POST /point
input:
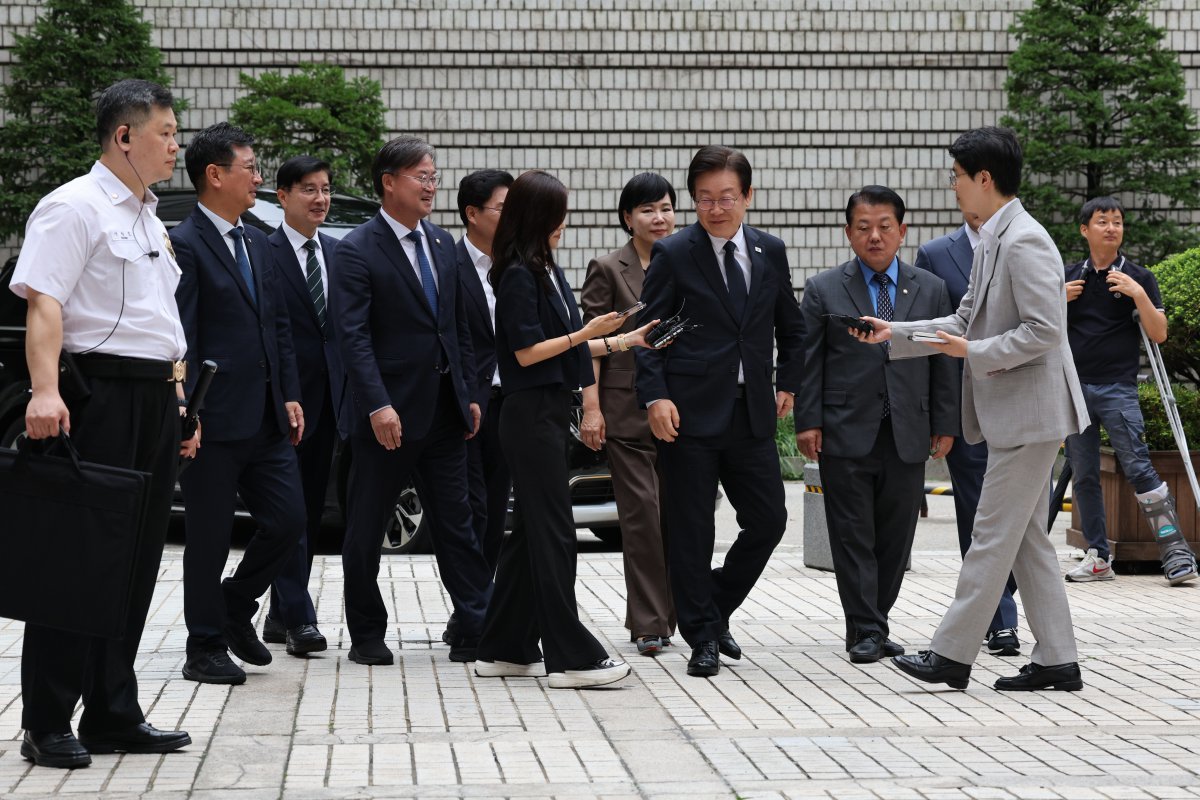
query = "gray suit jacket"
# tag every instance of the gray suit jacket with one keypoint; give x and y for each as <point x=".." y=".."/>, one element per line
<point x="1019" y="383"/>
<point x="845" y="383"/>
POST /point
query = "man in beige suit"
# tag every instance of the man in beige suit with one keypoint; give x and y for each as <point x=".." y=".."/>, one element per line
<point x="1022" y="396"/>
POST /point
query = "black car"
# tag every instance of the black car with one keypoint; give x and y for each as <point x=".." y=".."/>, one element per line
<point x="592" y="498"/>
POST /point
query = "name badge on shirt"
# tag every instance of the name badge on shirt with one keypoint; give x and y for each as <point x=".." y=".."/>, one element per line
<point x="121" y="236"/>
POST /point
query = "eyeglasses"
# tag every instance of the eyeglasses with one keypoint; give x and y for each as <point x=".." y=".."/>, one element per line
<point x="954" y="176"/>
<point x="708" y="204"/>
<point x="253" y="168"/>
<point x="497" y="209"/>
<point x="312" y="191"/>
<point x="429" y="181"/>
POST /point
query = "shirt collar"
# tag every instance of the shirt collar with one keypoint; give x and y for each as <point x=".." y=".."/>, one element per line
<point x="972" y="236"/>
<point x="739" y="240"/>
<point x="117" y="192"/>
<point x="993" y="222"/>
<point x="223" y="226"/>
<point x="474" y="253"/>
<point x="399" y="228"/>
<point x="296" y="238"/>
<point x="893" y="270"/>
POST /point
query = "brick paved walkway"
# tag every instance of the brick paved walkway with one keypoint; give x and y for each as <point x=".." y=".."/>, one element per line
<point x="793" y="719"/>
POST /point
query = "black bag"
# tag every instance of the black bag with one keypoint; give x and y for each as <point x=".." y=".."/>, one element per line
<point x="68" y="539"/>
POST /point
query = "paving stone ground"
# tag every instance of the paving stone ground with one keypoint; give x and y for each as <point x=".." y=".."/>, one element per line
<point x="793" y="719"/>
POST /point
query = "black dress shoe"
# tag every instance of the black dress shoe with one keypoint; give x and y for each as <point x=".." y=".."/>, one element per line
<point x="464" y="649"/>
<point x="273" y="631"/>
<point x="60" y="750"/>
<point x="728" y="647"/>
<point x="143" y="738"/>
<point x="244" y="643"/>
<point x="1061" y="677"/>
<point x="213" y="666"/>
<point x="451" y="632"/>
<point x="372" y="653"/>
<point x="928" y="666"/>
<point x="305" y="639"/>
<point x="891" y="649"/>
<point x="705" y="661"/>
<point x="868" y="649"/>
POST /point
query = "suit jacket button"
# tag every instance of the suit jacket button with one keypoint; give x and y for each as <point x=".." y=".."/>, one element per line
<point x="262" y="364"/>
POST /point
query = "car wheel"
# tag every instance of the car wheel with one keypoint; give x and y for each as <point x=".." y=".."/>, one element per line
<point x="610" y="535"/>
<point x="407" y="530"/>
<point x="14" y="429"/>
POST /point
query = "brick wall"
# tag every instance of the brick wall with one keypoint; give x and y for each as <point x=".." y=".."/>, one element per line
<point x="823" y="96"/>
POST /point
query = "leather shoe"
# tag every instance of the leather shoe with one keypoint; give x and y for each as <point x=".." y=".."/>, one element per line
<point x="868" y="649"/>
<point x="60" y="750"/>
<point x="891" y="649"/>
<point x="1061" y="677"/>
<point x="243" y="642"/>
<point x="451" y="632"/>
<point x="273" y="631"/>
<point x="928" y="666"/>
<point x="305" y="639"/>
<point x="728" y="647"/>
<point x="213" y="666"/>
<point x="464" y="649"/>
<point x="141" y="738"/>
<point x="705" y="661"/>
<point x="372" y="653"/>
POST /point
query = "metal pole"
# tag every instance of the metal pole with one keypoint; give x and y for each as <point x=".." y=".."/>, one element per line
<point x="1158" y="367"/>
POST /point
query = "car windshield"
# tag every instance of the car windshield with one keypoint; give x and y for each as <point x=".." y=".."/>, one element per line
<point x="345" y="212"/>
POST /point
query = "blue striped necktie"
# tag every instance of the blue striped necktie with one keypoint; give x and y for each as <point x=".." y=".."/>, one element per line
<point x="427" y="284"/>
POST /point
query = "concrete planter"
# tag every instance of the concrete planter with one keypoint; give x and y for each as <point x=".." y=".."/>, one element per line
<point x="1129" y="538"/>
<point x="817" y="554"/>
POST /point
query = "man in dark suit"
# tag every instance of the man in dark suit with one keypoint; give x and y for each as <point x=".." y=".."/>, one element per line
<point x="480" y="201"/>
<point x="949" y="257"/>
<point x="303" y="259"/>
<point x="402" y="331"/>
<point x="710" y="400"/>
<point x="870" y="421"/>
<point x="233" y="311"/>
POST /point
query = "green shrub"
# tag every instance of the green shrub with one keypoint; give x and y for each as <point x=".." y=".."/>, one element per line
<point x="785" y="444"/>
<point x="1158" y="431"/>
<point x="1179" y="281"/>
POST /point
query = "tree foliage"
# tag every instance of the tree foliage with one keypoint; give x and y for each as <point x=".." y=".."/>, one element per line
<point x="314" y="111"/>
<point x="77" y="48"/>
<point x="1179" y="283"/>
<point x="1100" y="108"/>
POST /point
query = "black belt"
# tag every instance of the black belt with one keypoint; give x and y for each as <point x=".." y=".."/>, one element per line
<point x="136" y="369"/>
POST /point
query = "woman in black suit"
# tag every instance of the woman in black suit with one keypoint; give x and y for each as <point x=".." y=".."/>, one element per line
<point x="544" y="353"/>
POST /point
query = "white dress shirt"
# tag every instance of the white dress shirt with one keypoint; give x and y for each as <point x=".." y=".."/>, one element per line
<point x="223" y="227"/>
<point x="88" y="245"/>
<point x="482" y="263"/>
<point x="410" y="247"/>
<point x="742" y="257"/>
<point x="297" y="241"/>
<point x="972" y="236"/>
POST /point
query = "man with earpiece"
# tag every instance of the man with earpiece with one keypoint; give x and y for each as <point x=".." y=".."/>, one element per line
<point x="99" y="275"/>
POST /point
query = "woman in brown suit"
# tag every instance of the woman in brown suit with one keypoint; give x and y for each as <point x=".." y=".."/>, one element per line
<point x="646" y="211"/>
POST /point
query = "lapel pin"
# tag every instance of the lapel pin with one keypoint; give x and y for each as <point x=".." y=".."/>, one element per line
<point x="757" y="249"/>
<point x="904" y="291"/>
<point x="437" y="241"/>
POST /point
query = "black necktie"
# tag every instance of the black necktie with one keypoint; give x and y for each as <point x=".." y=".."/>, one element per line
<point x="736" y="282"/>
<point x="243" y="261"/>
<point x="316" y="290"/>
<point x="427" y="283"/>
<point x="883" y="310"/>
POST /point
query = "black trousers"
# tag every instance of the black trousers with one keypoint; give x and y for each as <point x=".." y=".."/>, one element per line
<point x="488" y="483"/>
<point x="132" y="424"/>
<point x="747" y="466"/>
<point x="291" y="603"/>
<point x="263" y="470"/>
<point x="437" y="464"/>
<point x="535" y="582"/>
<point x="871" y="506"/>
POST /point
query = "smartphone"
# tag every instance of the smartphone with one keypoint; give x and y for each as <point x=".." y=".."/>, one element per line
<point x="921" y="336"/>
<point x="851" y="322"/>
<point x="633" y="309"/>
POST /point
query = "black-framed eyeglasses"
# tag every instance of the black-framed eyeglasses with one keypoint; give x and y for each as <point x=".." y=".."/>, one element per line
<point x="253" y="168"/>
<point x="708" y="204"/>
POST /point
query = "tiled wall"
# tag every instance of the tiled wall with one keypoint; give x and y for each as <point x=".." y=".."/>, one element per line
<point x="823" y="96"/>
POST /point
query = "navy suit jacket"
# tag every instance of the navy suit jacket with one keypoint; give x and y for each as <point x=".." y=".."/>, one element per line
<point x="699" y="371"/>
<point x="317" y="359"/>
<point x="251" y="342"/>
<point x="845" y="381"/>
<point x="479" y="320"/>
<point x="391" y="346"/>
<point x="949" y="257"/>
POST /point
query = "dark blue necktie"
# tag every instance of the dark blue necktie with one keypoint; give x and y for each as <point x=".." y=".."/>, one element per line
<point x="427" y="284"/>
<point x="243" y="261"/>
<point x="736" y="282"/>
<point x="883" y="310"/>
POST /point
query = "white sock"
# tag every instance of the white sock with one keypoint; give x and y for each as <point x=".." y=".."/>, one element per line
<point x="1154" y="495"/>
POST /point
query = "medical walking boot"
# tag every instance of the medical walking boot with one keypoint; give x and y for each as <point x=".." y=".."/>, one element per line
<point x="1178" y="560"/>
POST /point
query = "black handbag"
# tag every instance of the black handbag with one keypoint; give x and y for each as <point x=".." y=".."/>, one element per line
<point x="69" y="538"/>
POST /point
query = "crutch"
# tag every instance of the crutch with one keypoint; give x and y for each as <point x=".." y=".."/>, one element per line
<point x="1178" y="561"/>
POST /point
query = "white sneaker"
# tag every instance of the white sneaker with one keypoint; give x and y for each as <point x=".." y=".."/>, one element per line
<point x="1092" y="568"/>
<point x="601" y="673"/>
<point x="507" y="669"/>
